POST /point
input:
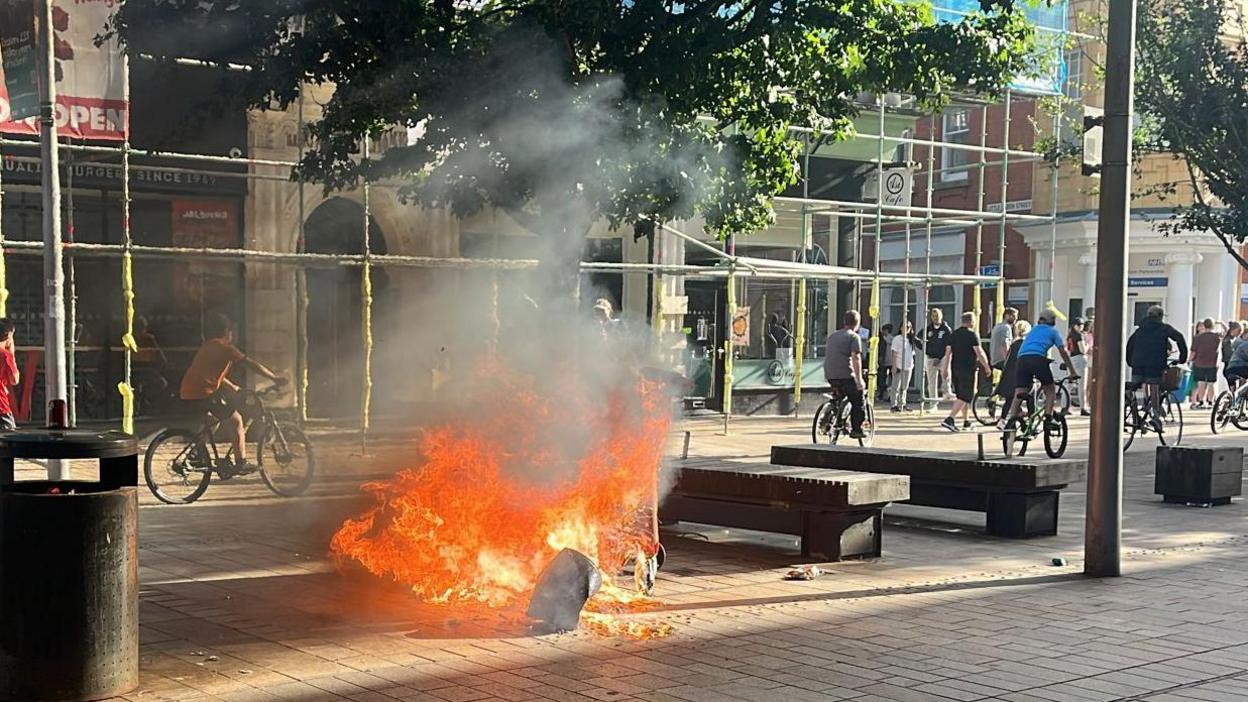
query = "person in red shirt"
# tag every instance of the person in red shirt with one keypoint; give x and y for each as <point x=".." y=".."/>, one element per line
<point x="9" y="375"/>
<point x="207" y="385"/>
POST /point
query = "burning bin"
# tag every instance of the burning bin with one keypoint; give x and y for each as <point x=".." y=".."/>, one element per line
<point x="69" y="599"/>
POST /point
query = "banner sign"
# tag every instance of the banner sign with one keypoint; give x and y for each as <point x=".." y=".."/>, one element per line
<point x="211" y="224"/>
<point x="18" y="58"/>
<point x="89" y="87"/>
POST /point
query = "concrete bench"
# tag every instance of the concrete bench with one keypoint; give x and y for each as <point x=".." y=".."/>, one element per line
<point x="837" y="514"/>
<point x="1019" y="495"/>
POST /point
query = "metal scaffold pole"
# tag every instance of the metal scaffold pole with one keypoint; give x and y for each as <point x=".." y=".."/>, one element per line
<point x="1103" y="529"/>
<point x="301" y="280"/>
<point x="977" y="291"/>
<point x="1005" y="195"/>
<point x="366" y="327"/>
<point x="873" y="309"/>
<point x="53" y="268"/>
<point x="128" y="342"/>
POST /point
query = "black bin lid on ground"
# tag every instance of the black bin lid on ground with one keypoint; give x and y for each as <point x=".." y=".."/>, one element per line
<point x="67" y="443"/>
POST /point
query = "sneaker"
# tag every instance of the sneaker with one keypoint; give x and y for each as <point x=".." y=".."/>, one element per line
<point x="894" y="409"/>
<point x="966" y="424"/>
<point x="949" y="424"/>
<point x="1052" y="423"/>
<point x="1084" y="413"/>
<point x="857" y="434"/>
<point x="905" y="409"/>
<point x="1001" y="424"/>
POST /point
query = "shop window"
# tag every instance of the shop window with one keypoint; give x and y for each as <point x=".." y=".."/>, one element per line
<point x="956" y="129"/>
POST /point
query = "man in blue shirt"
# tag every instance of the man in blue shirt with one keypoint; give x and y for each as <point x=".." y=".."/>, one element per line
<point x="1033" y="363"/>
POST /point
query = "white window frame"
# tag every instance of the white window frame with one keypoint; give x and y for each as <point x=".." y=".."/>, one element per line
<point x="1073" y="86"/>
<point x="953" y="133"/>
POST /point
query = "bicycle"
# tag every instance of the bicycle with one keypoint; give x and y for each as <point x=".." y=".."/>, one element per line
<point x="180" y="462"/>
<point x="1229" y="408"/>
<point x="1138" y="418"/>
<point x="833" y="420"/>
<point x="993" y="403"/>
<point x="1022" y="430"/>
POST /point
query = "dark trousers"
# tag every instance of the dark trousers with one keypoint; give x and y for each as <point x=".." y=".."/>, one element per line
<point x="849" y="389"/>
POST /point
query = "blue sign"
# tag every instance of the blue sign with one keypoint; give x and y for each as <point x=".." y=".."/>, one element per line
<point x="992" y="269"/>
<point x="1148" y="282"/>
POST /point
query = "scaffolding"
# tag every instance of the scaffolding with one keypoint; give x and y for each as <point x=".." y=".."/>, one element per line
<point x="875" y="222"/>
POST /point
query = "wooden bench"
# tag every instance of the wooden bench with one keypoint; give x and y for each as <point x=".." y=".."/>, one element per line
<point x="1019" y="495"/>
<point x="837" y="514"/>
<point x="1202" y="475"/>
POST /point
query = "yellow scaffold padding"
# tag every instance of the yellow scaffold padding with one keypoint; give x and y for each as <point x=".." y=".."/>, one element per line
<point x="873" y="345"/>
<point x="1000" y="301"/>
<point x="366" y="400"/>
<point x="4" y="288"/>
<point x="976" y="299"/>
<point x="127" y="407"/>
<point x="1052" y="307"/>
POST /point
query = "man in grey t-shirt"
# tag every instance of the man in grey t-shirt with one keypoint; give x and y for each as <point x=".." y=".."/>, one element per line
<point x="1001" y="338"/>
<point x="842" y="366"/>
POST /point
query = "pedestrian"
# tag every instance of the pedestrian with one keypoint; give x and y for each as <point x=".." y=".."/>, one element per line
<point x="1009" y="373"/>
<point x="963" y="355"/>
<point x="9" y="375"/>
<point x="935" y="338"/>
<point x="842" y="366"/>
<point x="884" y="362"/>
<point x="1076" y="346"/>
<point x="902" y="359"/>
<point x="1001" y="337"/>
<point x="1206" y="345"/>
<point x="1089" y="336"/>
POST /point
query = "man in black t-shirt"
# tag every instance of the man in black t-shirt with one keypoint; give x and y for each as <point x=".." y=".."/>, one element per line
<point x="963" y="355"/>
<point x="935" y="341"/>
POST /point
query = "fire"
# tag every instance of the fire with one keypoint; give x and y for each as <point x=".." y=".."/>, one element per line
<point x="538" y="466"/>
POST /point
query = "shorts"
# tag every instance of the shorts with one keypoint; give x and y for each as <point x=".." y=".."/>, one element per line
<point x="1205" y="375"/>
<point x="1236" y="374"/>
<point x="1032" y="369"/>
<point x="1148" y="376"/>
<point x="220" y="405"/>
<point x="964" y="384"/>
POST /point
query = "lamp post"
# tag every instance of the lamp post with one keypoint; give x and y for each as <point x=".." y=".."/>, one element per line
<point x="1103" y="529"/>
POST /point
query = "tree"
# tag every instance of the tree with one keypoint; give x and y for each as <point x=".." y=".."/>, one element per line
<point x="1192" y="88"/>
<point x="561" y="113"/>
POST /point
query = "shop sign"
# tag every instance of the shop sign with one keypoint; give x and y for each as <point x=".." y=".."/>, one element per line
<point x="90" y="100"/>
<point x="1011" y="206"/>
<point x="204" y="224"/>
<point x="1017" y="294"/>
<point x="98" y="175"/>
<point x="1147" y="281"/>
<point x="898" y="186"/>
<point x="18" y="62"/>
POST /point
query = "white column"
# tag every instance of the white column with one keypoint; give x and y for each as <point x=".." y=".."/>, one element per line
<point x="1181" y="271"/>
<point x="1044" y="283"/>
<point x="1088" y="261"/>
<point x="1211" y="290"/>
<point x="1230" y="283"/>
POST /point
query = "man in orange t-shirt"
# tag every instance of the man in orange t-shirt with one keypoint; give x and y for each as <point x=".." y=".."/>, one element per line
<point x="9" y="375"/>
<point x="206" y="383"/>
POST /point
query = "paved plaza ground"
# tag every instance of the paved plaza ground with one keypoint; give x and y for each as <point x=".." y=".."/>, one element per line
<point x="239" y="602"/>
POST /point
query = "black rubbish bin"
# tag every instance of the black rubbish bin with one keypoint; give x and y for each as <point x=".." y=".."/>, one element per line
<point x="69" y="570"/>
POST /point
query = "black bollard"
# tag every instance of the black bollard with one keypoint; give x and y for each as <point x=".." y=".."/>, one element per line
<point x="562" y="590"/>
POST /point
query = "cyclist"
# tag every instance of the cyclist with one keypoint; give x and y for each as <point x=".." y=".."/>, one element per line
<point x="1236" y="370"/>
<point x="1147" y="352"/>
<point x="1033" y="363"/>
<point x="205" y="383"/>
<point x="842" y="366"/>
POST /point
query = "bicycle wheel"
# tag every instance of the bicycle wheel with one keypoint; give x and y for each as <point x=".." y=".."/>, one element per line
<point x="1223" y="407"/>
<point x="1012" y="440"/>
<point x="1062" y="404"/>
<point x="821" y="425"/>
<point x="1130" y="423"/>
<point x="177" y="466"/>
<point x="868" y="426"/>
<point x="286" y="461"/>
<point x="1056" y="434"/>
<point x="841" y="424"/>
<point x="985" y="409"/>
<point x="1171" y="420"/>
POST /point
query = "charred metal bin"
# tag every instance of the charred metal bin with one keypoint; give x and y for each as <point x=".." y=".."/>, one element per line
<point x="69" y="570"/>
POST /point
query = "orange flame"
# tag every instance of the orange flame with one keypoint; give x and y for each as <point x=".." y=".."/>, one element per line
<point x="538" y="467"/>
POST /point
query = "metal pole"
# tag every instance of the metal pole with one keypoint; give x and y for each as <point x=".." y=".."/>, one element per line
<point x="977" y="292"/>
<point x="1005" y="196"/>
<point x="1103" y="531"/>
<point x="301" y="284"/>
<point x="366" y="295"/>
<point x="53" y="270"/>
<point x="920" y="323"/>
